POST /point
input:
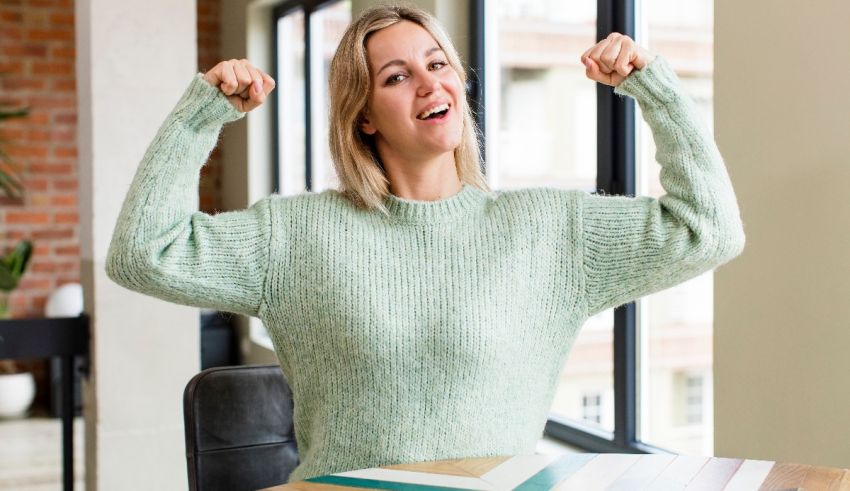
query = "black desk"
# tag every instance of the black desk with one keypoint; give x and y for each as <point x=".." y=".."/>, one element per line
<point x="61" y="337"/>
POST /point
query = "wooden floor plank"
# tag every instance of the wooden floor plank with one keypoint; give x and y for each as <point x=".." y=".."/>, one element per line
<point x="785" y="475"/>
<point x="679" y="473"/>
<point x="843" y="484"/>
<point x="465" y="467"/>
<point x="310" y="486"/>
<point x="599" y="473"/>
<point x="716" y="473"/>
<point x="640" y="475"/>
<point x="820" y="477"/>
<point x="750" y="475"/>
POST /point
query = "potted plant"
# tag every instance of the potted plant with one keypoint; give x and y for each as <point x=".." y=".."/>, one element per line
<point x="10" y="185"/>
<point x="17" y="387"/>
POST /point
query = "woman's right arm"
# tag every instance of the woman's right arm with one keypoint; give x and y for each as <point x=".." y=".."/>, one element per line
<point x="162" y="245"/>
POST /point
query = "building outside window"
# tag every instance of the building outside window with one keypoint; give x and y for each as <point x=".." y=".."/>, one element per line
<point x="591" y="407"/>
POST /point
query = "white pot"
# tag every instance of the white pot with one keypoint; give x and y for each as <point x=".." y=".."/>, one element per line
<point x="17" y="392"/>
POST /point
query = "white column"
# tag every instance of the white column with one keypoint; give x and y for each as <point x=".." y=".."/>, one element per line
<point x="134" y="60"/>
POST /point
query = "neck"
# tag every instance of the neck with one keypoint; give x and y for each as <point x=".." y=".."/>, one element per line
<point x="425" y="179"/>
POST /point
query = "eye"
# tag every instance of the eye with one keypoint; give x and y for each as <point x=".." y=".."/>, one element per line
<point x="440" y="64"/>
<point x="394" y="79"/>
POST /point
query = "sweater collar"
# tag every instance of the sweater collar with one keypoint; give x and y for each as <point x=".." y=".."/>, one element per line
<point x="469" y="200"/>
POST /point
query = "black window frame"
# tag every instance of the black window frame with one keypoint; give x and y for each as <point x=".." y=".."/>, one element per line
<point x="615" y="171"/>
<point x="279" y="11"/>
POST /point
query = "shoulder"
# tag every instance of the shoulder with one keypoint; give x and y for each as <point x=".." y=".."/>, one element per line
<point x="307" y="200"/>
<point x="541" y="202"/>
<point x="311" y="208"/>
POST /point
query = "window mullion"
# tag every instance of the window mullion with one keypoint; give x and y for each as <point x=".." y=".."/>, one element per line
<point x="616" y="176"/>
<point x="308" y="102"/>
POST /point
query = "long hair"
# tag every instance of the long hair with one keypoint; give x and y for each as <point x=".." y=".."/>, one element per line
<point x="362" y="178"/>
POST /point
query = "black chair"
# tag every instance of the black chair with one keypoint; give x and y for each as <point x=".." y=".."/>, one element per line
<point x="239" y="433"/>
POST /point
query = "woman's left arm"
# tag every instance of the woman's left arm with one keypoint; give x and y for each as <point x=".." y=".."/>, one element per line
<point x="636" y="246"/>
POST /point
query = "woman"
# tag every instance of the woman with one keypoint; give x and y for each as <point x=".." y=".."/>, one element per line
<point x="417" y="315"/>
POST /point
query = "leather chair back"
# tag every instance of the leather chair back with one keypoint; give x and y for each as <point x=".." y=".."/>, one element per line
<point x="238" y="424"/>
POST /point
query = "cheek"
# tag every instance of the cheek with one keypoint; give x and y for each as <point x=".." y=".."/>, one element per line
<point x="387" y="111"/>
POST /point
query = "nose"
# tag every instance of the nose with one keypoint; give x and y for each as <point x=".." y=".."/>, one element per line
<point x="429" y="83"/>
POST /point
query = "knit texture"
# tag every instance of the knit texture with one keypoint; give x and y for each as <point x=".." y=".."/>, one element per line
<point x="438" y="331"/>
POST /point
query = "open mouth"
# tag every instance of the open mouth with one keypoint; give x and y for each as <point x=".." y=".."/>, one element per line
<point x="438" y="112"/>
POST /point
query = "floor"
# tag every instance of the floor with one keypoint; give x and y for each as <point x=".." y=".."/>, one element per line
<point x="31" y="454"/>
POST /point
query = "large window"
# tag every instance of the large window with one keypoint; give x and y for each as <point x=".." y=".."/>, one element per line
<point x="306" y="34"/>
<point x="547" y="125"/>
<point x="638" y="377"/>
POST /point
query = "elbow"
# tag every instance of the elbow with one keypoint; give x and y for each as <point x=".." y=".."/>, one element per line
<point x="731" y="242"/>
<point x="115" y="265"/>
<point x="123" y="266"/>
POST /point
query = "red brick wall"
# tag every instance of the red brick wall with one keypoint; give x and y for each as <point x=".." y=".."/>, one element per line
<point x="37" y="64"/>
<point x="208" y="57"/>
<point x="37" y="71"/>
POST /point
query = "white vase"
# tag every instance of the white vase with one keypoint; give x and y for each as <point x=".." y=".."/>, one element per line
<point x="17" y="392"/>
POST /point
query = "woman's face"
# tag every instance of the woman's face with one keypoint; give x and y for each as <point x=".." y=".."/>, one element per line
<point x="411" y="76"/>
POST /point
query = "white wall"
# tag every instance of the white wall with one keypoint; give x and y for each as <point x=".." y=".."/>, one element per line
<point x="134" y="60"/>
<point x="782" y="314"/>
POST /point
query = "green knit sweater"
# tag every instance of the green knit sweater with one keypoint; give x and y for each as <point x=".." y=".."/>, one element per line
<point x="440" y="331"/>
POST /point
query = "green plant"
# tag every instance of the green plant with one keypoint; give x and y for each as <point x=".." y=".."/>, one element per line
<point x="10" y="185"/>
<point x="12" y="268"/>
<point x="13" y="265"/>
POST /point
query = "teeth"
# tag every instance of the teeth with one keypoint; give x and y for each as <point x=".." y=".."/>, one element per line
<point x="425" y="114"/>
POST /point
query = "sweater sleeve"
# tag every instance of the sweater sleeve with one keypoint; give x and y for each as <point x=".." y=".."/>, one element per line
<point x="162" y="245"/>
<point x="635" y="246"/>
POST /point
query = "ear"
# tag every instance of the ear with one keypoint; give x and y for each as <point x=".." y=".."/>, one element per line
<point x="366" y="125"/>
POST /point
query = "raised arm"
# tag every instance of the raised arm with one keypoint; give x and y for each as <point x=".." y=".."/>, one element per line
<point x="636" y="246"/>
<point x="162" y="246"/>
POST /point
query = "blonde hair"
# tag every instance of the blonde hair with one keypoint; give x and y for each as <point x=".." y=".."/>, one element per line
<point x="362" y="178"/>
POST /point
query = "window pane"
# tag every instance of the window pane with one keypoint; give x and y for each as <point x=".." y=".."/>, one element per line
<point x="290" y="92"/>
<point x="675" y="325"/>
<point x="541" y="124"/>
<point x="545" y="111"/>
<point x="326" y="28"/>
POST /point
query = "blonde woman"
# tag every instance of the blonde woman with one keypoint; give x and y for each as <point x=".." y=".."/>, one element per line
<point x="416" y="314"/>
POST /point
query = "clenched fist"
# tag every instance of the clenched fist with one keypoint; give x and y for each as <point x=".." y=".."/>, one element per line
<point x="245" y="86"/>
<point x="611" y="60"/>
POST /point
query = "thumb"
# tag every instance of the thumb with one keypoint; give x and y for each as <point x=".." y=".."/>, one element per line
<point x="592" y="70"/>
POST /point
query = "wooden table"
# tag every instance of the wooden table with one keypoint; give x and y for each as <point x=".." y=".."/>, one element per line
<point x="584" y="472"/>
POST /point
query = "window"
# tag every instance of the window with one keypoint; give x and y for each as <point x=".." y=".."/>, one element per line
<point x="591" y="405"/>
<point x="693" y="399"/>
<point x="677" y="323"/>
<point x="545" y="124"/>
<point x="541" y="119"/>
<point x="306" y="34"/>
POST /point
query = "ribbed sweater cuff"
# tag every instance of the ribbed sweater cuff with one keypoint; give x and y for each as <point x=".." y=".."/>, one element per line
<point x="656" y="84"/>
<point x="203" y="106"/>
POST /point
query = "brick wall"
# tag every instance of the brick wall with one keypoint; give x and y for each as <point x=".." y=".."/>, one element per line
<point x="37" y="65"/>
<point x="208" y="57"/>
<point x="37" y="71"/>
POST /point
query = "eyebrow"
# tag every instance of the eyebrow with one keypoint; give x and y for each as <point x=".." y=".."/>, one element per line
<point x="401" y="62"/>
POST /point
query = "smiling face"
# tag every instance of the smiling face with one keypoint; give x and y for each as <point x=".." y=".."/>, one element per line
<point x="414" y="107"/>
